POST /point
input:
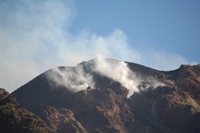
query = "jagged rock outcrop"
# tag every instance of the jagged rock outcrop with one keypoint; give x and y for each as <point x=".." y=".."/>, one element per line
<point x="3" y="93"/>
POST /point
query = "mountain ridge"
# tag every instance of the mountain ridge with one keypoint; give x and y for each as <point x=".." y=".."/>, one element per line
<point x="164" y="101"/>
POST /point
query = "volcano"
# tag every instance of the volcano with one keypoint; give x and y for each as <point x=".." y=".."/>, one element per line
<point x="107" y="95"/>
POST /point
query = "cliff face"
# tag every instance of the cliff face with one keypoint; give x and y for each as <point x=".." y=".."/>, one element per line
<point x="173" y="106"/>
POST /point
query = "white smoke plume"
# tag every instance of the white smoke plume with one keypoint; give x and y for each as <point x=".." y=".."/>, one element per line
<point x="35" y="35"/>
<point x="76" y="79"/>
<point x="120" y="72"/>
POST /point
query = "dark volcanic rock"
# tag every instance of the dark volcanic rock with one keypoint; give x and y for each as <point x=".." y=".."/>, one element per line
<point x="3" y="93"/>
<point x="39" y="94"/>
<point x="62" y="120"/>
<point x="14" y="119"/>
<point x="102" y="110"/>
<point x="173" y="108"/>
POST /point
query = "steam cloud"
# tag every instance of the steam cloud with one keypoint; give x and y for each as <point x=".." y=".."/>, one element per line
<point x="35" y="35"/>
<point x="77" y="79"/>
<point x="74" y="79"/>
<point x="118" y="71"/>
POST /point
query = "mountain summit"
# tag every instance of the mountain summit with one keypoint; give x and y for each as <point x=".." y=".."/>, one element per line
<point x="107" y="95"/>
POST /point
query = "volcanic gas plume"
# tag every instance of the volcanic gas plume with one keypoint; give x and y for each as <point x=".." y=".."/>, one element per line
<point x="76" y="78"/>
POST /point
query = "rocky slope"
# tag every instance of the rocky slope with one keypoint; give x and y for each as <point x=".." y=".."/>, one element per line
<point x="13" y="118"/>
<point x="168" y="102"/>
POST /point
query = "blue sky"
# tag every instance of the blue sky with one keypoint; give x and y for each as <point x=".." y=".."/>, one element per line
<point x="37" y="35"/>
<point x="172" y="25"/>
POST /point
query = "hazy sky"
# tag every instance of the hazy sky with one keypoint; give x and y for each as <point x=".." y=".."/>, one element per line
<point x="36" y="35"/>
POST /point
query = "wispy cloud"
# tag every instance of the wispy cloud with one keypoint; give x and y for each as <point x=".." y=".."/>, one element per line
<point x="35" y="36"/>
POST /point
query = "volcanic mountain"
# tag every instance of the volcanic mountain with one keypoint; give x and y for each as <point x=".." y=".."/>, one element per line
<point x="106" y="96"/>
